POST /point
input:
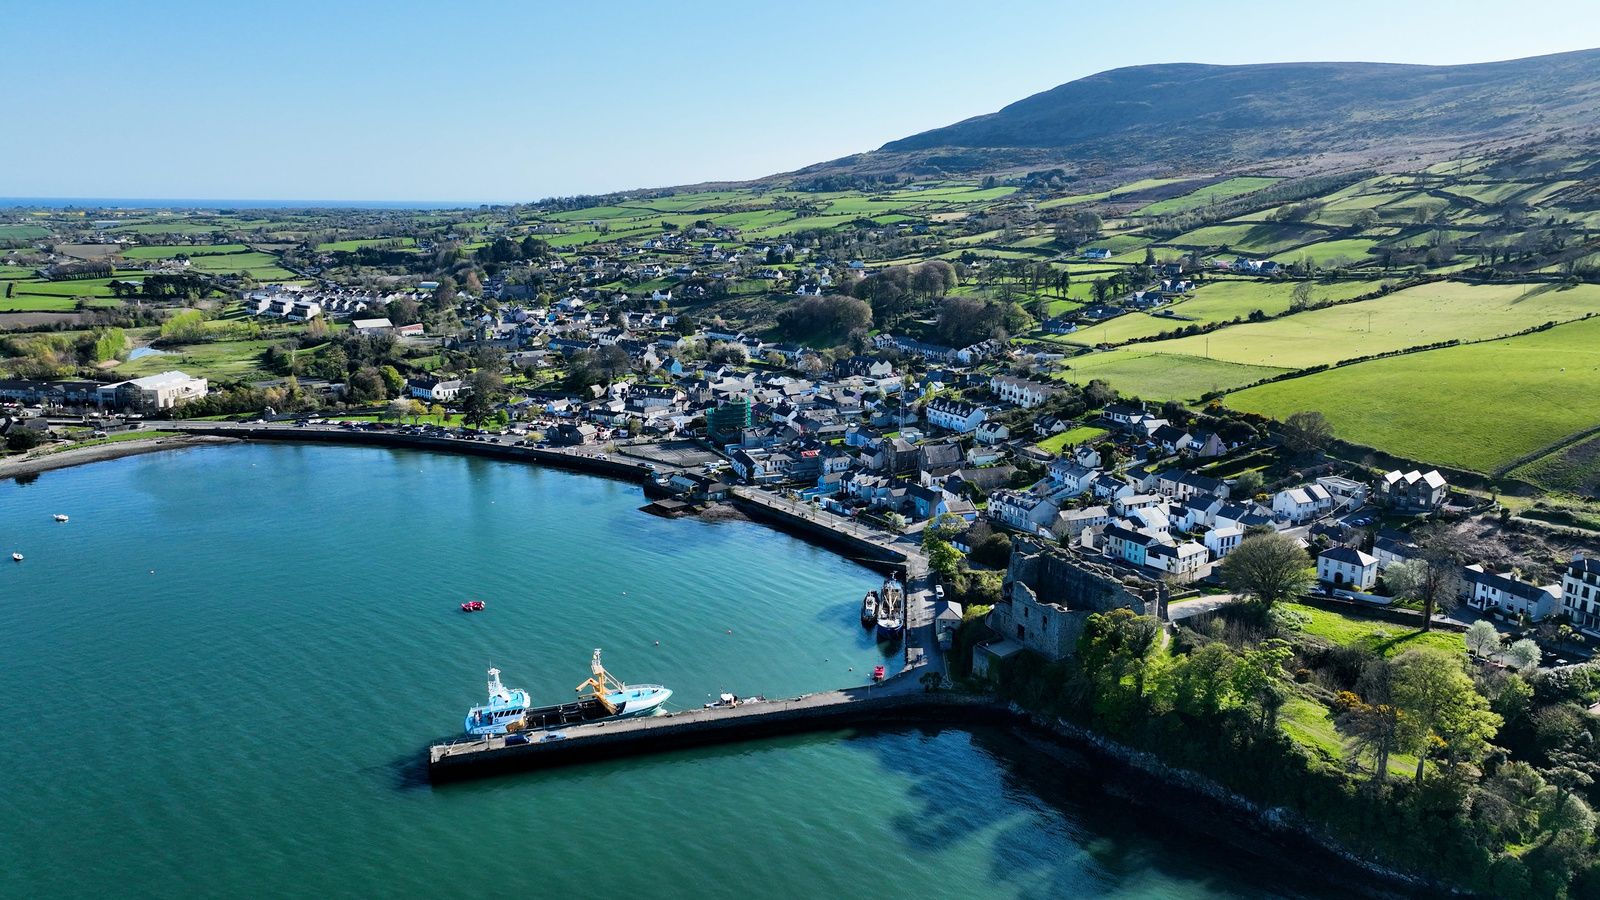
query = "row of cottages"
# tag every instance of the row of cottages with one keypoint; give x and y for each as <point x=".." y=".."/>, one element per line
<point x="954" y="415"/>
<point x="1414" y="491"/>
<point x="1507" y="594"/>
<point x="1176" y="439"/>
<point x="1022" y="392"/>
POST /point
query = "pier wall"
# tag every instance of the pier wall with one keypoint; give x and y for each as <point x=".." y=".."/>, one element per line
<point x="821" y="531"/>
<point x="659" y="734"/>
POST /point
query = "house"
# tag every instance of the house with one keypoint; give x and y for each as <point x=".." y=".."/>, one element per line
<point x="1580" y="594"/>
<point x="1021" y="391"/>
<point x="1220" y="541"/>
<point x="1071" y="523"/>
<point x="1390" y="550"/>
<point x="1413" y="492"/>
<point x="1124" y="543"/>
<point x="1072" y="476"/>
<point x="992" y="433"/>
<point x="1347" y="567"/>
<point x="1122" y="415"/>
<point x="1129" y="502"/>
<point x="1301" y="504"/>
<point x="1347" y="493"/>
<point x="435" y="389"/>
<point x="1182" y="562"/>
<point x="1023" y="510"/>
<point x="151" y="393"/>
<point x="1508" y="595"/>
<point x="1171" y="438"/>
<point x="954" y="415"/>
<point x="1097" y="253"/>
<point x="1180" y="485"/>
<point x="1206" y="444"/>
<point x="570" y="435"/>
<point x="372" y="326"/>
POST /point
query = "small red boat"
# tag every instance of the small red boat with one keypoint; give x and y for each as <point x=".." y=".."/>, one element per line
<point x="877" y="673"/>
<point x="472" y="606"/>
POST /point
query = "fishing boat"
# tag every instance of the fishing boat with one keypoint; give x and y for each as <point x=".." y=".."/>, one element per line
<point x="869" y="609"/>
<point x="60" y="517"/>
<point x="891" y="609"/>
<point x="17" y="557"/>
<point x="606" y="698"/>
<point x="472" y="606"/>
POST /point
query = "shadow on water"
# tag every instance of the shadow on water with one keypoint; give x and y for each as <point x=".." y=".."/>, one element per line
<point x="1068" y="826"/>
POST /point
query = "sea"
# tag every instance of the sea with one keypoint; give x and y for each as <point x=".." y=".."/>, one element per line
<point x="219" y="678"/>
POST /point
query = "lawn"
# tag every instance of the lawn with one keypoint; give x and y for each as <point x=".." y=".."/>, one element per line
<point x="1415" y="317"/>
<point x="1157" y="376"/>
<point x="219" y="360"/>
<point x="1479" y="407"/>
<point x="357" y="244"/>
<point x="1355" y="250"/>
<point x="1072" y="437"/>
<point x="1375" y="635"/>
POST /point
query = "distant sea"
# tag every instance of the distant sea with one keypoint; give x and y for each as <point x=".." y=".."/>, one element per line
<point x="170" y="203"/>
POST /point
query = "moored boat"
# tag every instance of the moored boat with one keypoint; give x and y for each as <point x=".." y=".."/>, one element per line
<point x="472" y="606"/>
<point x="607" y="698"/>
<point x="891" y="609"/>
<point x="60" y="517"/>
<point x="869" y="609"/>
<point x="17" y="557"/>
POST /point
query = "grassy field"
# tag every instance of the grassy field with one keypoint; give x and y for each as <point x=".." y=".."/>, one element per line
<point x="1375" y="635"/>
<point x="1250" y="237"/>
<point x="1217" y="301"/>
<point x="1573" y="468"/>
<point x="1415" y="317"/>
<point x="1479" y="407"/>
<point x="23" y="232"/>
<point x="1354" y="250"/>
<point x="1072" y="437"/>
<point x="1156" y="376"/>
<point x="1222" y="190"/>
<point x="1311" y="724"/>
<point x="221" y="360"/>
<point x="167" y="251"/>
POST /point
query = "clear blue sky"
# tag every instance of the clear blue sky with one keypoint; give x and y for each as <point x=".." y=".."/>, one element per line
<point x="516" y="101"/>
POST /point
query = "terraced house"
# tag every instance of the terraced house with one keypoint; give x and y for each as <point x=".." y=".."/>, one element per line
<point x="1024" y="392"/>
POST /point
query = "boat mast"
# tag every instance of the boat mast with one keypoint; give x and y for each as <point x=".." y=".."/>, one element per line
<point x="602" y="682"/>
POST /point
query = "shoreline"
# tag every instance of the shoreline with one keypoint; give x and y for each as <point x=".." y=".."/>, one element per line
<point x="23" y="466"/>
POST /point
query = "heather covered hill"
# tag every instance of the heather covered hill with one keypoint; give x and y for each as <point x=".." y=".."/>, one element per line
<point x="1241" y="114"/>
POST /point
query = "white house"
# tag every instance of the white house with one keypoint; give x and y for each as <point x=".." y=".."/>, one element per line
<point x="1021" y="391"/>
<point x="1511" y="596"/>
<point x="955" y="415"/>
<point x="1182" y="561"/>
<point x="991" y="433"/>
<point x="436" y="389"/>
<point x="1580" y="593"/>
<point x="1300" y="504"/>
<point x="1347" y="567"/>
<point x="1222" y="541"/>
<point x="1022" y="510"/>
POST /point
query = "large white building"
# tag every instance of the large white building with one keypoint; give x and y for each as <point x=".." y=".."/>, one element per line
<point x="1580" y="593"/>
<point x="955" y="415"/>
<point x="152" y="393"/>
<point x="1021" y="391"/>
<point x="1347" y="567"/>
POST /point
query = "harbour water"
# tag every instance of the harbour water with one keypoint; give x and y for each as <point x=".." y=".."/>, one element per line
<point x="219" y="677"/>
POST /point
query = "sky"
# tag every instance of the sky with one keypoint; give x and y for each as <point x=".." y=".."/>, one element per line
<point x="506" y="102"/>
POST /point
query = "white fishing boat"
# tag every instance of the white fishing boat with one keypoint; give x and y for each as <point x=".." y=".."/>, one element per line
<point x="17" y="557"/>
<point x="60" y="517"/>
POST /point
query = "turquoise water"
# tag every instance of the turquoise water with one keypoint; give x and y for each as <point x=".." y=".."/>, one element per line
<point x="220" y="677"/>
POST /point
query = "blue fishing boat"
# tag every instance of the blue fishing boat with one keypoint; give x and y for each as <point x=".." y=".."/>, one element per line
<point x="608" y="698"/>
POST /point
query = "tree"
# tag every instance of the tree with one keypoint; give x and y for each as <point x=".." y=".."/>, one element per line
<point x="1301" y="296"/>
<point x="1247" y="485"/>
<point x="21" y="439"/>
<point x="1443" y="714"/>
<point x="1523" y="654"/>
<point x="1258" y="677"/>
<point x="1483" y="641"/>
<point x="1439" y="582"/>
<point x="1114" y="651"/>
<point x="482" y="392"/>
<point x="1306" y="432"/>
<point x="943" y="559"/>
<point x="397" y="408"/>
<point x="1370" y="729"/>
<point x="1269" y="568"/>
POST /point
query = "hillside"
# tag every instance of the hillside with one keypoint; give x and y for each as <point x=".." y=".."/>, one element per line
<point x="1231" y="115"/>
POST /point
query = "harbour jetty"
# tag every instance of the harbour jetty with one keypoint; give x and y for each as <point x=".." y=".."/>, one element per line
<point x="897" y="701"/>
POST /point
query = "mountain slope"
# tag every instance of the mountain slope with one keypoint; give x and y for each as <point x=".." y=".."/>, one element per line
<point x="1233" y="114"/>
